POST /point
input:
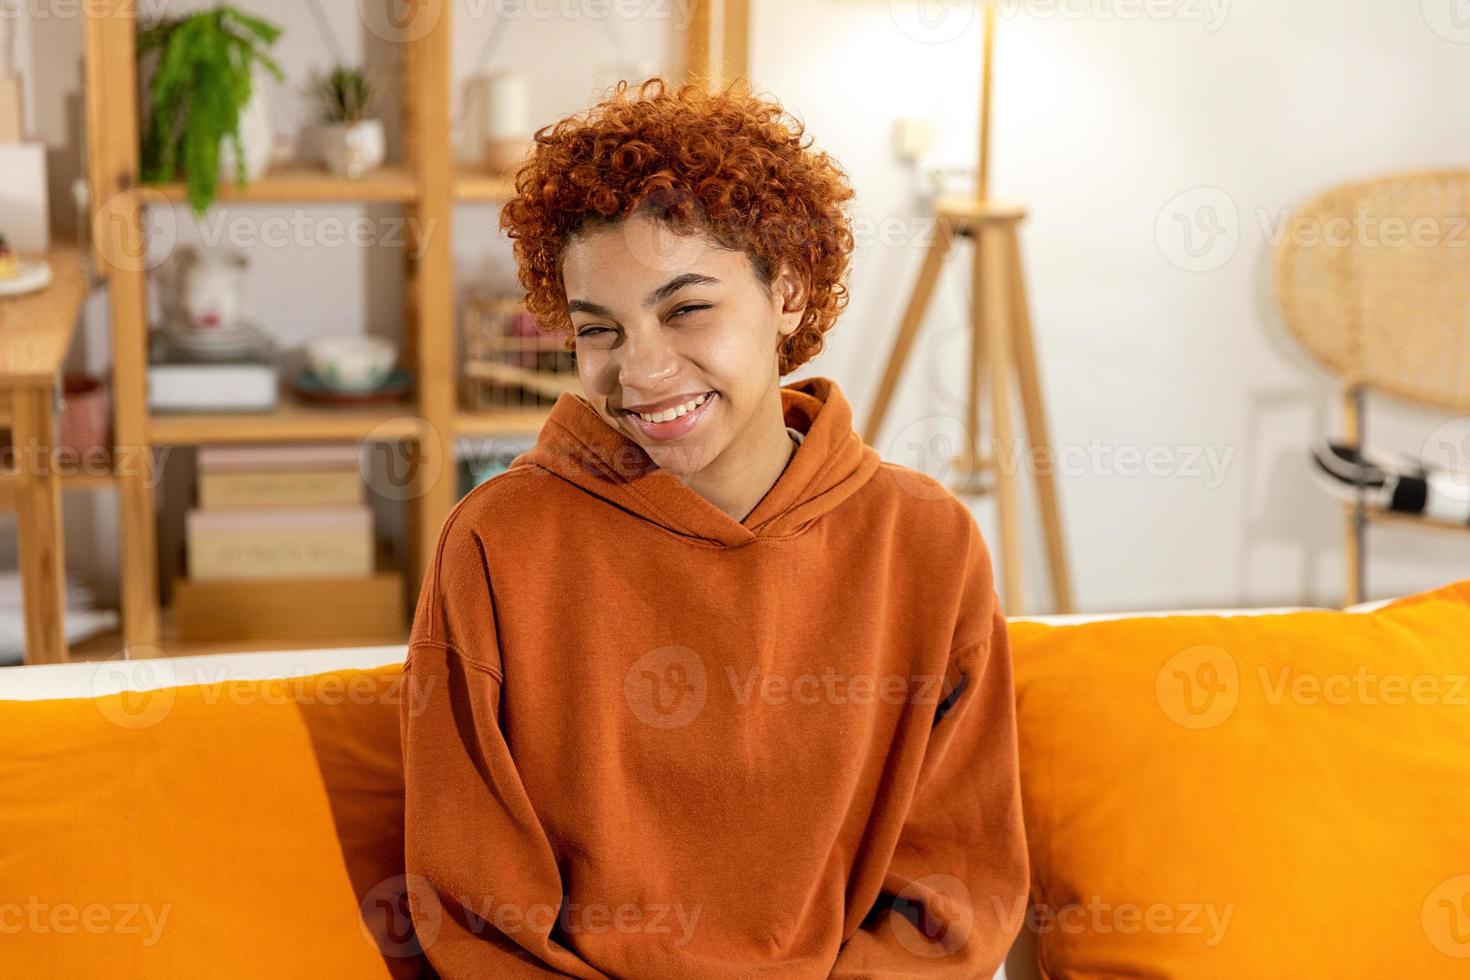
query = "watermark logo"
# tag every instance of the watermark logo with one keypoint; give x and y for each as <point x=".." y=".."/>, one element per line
<point x="143" y="920"/>
<point x="940" y="910"/>
<point x="387" y="918"/>
<point x="398" y="468"/>
<point x="1446" y="916"/>
<point x="932" y="21"/>
<point x="667" y="687"/>
<point x="1199" y="230"/>
<point x="1198" y="687"/>
<point x="137" y="693"/>
<point x="1208" y="921"/>
<point x="931" y="452"/>
<point x="399" y="21"/>
<point x="1450" y="19"/>
<point x="1447" y="450"/>
<point x="135" y="230"/>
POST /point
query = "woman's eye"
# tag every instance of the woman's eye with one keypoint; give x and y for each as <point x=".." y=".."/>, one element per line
<point x="590" y="331"/>
<point x="690" y="309"/>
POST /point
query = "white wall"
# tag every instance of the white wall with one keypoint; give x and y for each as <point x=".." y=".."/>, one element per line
<point x="1102" y="119"/>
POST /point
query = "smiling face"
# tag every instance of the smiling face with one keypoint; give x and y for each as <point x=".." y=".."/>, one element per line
<point x="684" y="332"/>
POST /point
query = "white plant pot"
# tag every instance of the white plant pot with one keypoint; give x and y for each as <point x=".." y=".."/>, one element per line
<point x="255" y="134"/>
<point x="353" y="149"/>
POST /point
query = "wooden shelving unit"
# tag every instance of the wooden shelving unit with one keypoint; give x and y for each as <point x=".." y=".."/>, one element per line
<point x="428" y="183"/>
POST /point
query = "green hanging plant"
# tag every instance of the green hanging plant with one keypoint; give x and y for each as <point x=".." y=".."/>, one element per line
<point x="197" y="92"/>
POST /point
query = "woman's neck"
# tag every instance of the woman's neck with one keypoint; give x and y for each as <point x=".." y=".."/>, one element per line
<point x="742" y="475"/>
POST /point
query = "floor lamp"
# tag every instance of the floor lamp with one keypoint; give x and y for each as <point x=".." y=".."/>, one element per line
<point x="1000" y="342"/>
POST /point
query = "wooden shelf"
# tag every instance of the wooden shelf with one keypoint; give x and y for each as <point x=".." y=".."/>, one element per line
<point x="476" y="184"/>
<point x="504" y="422"/>
<point x="293" y="421"/>
<point x="304" y="183"/>
<point x="1409" y="520"/>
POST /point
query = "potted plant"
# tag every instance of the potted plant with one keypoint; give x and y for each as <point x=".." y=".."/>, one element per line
<point x="351" y="141"/>
<point x="207" y="114"/>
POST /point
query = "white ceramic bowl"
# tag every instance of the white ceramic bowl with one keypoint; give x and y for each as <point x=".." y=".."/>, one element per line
<point x="351" y="362"/>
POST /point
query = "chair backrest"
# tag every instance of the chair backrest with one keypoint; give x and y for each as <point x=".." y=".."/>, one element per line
<point x="1373" y="279"/>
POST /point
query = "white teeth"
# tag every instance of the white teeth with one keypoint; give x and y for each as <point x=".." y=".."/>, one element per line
<point x="669" y="414"/>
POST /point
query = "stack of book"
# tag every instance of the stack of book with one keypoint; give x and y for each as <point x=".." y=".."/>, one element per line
<point x="281" y="546"/>
<point x="189" y="371"/>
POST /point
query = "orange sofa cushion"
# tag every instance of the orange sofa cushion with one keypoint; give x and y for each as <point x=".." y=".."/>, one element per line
<point x="235" y="829"/>
<point x="1280" y="795"/>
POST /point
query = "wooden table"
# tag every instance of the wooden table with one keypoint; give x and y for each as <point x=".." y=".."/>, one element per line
<point x="35" y="334"/>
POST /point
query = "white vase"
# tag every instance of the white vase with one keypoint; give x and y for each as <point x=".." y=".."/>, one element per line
<point x="255" y="134"/>
<point x="212" y="289"/>
<point x="353" y="149"/>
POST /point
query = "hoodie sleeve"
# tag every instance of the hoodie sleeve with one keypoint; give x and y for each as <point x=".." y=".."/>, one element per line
<point x="954" y="896"/>
<point x="482" y="882"/>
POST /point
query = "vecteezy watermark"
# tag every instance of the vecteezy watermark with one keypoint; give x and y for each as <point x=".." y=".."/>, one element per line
<point x="145" y="920"/>
<point x="1446" y="916"/>
<point x="141" y="692"/>
<point x="939" y="909"/>
<point x="302" y="228"/>
<point x="30" y="459"/>
<point x="1450" y="19"/>
<point x="1210" y="13"/>
<point x="1093" y="915"/>
<point x="1200" y="687"/>
<point x="394" y="461"/>
<point x="396" y="924"/>
<point x="406" y="21"/>
<point x="938" y="447"/>
<point x="831" y="686"/>
<point x="143" y="11"/>
<point x="1199" y="229"/>
<point x="672" y="919"/>
<point x="667" y="687"/>
<point x="933" y="21"/>
<point x="941" y="21"/>
<point x="1447" y="452"/>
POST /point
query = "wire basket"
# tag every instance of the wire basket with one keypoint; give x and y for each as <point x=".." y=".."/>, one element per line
<point x="509" y="361"/>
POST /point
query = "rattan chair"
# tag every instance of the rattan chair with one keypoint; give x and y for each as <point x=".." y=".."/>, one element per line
<point x="1373" y="280"/>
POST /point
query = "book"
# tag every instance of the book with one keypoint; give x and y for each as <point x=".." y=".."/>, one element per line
<point x="279" y="456"/>
<point x="220" y="490"/>
<point x="181" y="382"/>
<point x="279" y="542"/>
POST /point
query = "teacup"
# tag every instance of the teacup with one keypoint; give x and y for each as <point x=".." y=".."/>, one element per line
<point x="351" y="362"/>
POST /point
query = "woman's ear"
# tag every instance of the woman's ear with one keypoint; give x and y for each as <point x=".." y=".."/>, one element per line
<point x="788" y="296"/>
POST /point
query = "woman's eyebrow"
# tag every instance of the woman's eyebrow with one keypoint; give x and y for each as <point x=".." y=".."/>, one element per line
<point x="653" y="299"/>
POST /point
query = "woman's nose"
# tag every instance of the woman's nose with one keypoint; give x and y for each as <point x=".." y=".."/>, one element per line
<point x="648" y="360"/>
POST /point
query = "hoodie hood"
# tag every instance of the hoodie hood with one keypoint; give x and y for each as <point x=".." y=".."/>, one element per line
<point x="831" y="464"/>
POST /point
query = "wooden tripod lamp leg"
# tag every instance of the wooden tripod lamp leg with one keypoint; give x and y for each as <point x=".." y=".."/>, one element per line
<point x="992" y="316"/>
<point x="1034" y="407"/>
<point x="913" y="318"/>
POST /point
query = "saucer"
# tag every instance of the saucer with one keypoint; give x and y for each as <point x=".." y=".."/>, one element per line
<point x="309" y="385"/>
<point x="30" y="275"/>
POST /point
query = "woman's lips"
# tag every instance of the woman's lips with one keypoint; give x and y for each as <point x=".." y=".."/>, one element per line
<point x="677" y="427"/>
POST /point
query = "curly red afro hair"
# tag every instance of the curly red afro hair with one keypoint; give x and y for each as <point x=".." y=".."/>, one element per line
<point x="727" y="163"/>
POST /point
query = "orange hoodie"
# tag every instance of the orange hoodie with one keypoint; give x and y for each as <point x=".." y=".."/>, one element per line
<point x="645" y="740"/>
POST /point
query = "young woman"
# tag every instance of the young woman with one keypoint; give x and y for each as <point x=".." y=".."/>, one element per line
<point x="701" y="687"/>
